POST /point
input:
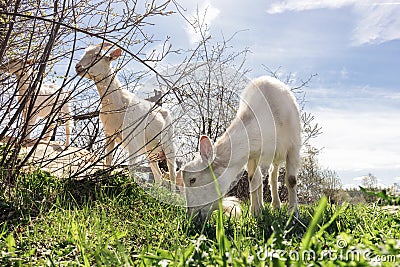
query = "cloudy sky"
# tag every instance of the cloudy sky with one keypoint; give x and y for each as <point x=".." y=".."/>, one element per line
<point x="354" y="48"/>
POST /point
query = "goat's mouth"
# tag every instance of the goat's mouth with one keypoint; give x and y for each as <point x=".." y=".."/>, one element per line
<point x="81" y="71"/>
<point x="198" y="215"/>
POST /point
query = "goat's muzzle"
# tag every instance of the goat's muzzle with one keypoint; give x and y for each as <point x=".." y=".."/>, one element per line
<point x="79" y="69"/>
<point x="196" y="215"/>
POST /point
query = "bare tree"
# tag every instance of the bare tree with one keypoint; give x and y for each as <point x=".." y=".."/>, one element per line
<point x="209" y="84"/>
<point x="332" y="185"/>
<point x="315" y="181"/>
<point x="310" y="181"/>
<point x="369" y="181"/>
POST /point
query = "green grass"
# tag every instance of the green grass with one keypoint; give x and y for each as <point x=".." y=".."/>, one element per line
<point x="114" y="222"/>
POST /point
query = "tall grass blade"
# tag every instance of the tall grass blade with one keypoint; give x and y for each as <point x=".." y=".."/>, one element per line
<point x="305" y="242"/>
<point x="223" y="242"/>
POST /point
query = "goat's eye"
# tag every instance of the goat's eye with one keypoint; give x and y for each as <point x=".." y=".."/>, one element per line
<point x="192" y="181"/>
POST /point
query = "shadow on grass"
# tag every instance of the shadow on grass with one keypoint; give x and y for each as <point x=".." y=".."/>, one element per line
<point x="32" y="194"/>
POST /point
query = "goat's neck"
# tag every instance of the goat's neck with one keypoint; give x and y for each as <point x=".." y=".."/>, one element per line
<point x="108" y="86"/>
<point x="232" y="150"/>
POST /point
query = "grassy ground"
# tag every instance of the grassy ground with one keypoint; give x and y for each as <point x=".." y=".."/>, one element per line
<point x="113" y="222"/>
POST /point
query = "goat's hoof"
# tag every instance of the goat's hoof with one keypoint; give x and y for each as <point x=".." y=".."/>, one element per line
<point x="175" y="188"/>
<point x="295" y="212"/>
<point x="276" y="204"/>
<point x="256" y="211"/>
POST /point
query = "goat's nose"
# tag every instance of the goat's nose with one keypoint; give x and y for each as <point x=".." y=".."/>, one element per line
<point x="78" y="68"/>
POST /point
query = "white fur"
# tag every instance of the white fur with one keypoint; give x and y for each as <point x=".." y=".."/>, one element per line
<point x="45" y="101"/>
<point x="127" y="119"/>
<point x="266" y="130"/>
<point x="231" y="207"/>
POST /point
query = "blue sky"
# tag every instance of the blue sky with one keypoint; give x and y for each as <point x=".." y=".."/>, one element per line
<point x="353" y="46"/>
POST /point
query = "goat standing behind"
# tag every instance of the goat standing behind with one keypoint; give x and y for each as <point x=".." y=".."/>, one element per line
<point x="46" y="99"/>
<point x="127" y="119"/>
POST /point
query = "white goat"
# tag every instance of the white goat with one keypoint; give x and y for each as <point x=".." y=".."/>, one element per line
<point x="266" y="130"/>
<point x="46" y="98"/>
<point x="127" y="119"/>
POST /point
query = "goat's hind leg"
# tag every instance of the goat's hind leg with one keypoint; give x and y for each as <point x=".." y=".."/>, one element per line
<point x="292" y="166"/>
<point x="168" y="148"/>
<point x="48" y="127"/>
<point x="155" y="169"/>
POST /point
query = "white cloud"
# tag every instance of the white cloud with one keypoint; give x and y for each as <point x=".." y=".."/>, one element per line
<point x="202" y="16"/>
<point x="392" y="96"/>
<point x="301" y="5"/>
<point x="360" y="131"/>
<point x="376" y="21"/>
<point x="358" y="140"/>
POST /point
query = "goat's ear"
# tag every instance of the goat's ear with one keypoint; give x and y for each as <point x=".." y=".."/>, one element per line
<point x="30" y="61"/>
<point x="115" y="54"/>
<point x="206" y="149"/>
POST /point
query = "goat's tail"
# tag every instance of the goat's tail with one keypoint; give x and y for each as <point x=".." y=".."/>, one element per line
<point x="231" y="207"/>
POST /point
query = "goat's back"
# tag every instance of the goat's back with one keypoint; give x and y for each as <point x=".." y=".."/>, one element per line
<point x="272" y="109"/>
<point x="49" y="97"/>
<point x="146" y="123"/>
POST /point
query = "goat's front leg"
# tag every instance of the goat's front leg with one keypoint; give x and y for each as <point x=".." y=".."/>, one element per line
<point x="68" y="131"/>
<point x="110" y="144"/>
<point x="172" y="172"/>
<point x="255" y="187"/>
<point x="170" y="156"/>
<point x="155" y="169"/>
<point x="69" y="123"/>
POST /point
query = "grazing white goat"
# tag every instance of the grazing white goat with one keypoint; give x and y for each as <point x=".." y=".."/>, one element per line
<point x="136" y="123"/>
<point x="45" y="101"/>
<point x="266" y="130"/>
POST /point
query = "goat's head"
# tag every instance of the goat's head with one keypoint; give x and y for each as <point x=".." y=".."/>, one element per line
<point x="201" y="196"/>
<point x="16" y="66"/>
<point x="95" y="63"/>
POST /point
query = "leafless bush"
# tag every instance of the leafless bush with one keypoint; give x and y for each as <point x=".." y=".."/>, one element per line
<point x="53" y="34"/>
